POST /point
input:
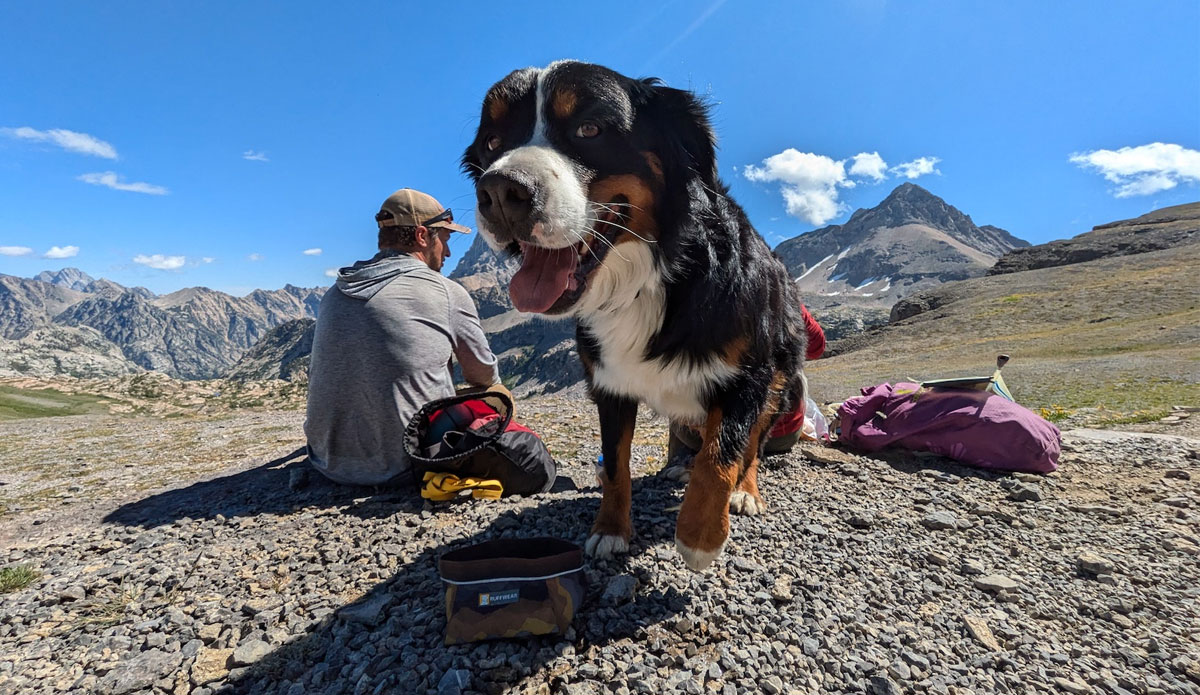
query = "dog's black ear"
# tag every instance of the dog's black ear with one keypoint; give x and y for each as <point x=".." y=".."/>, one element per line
<point x="683" y="131"/>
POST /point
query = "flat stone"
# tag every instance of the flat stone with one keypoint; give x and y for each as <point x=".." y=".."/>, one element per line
<point x="209" y="633"/>
<point x="979" y="630"/>
<point x="248" y="653"/>
<point x="882" y="685"/>
<point x="936" y="558"/>
<point x="620" y="589"/>
<point x="1073" y="686"/>
<point x="781" y="590"/>
<point x="1091" y="563"/>
<point x="1095" y="509"/>
<point x="211" y="665"/>
<point x="995" y="583"/>
<point x="1025" y="492"/>
<point x="72" y="593"/>
<point x="139" y="672"/>
<point x="862" y="520"/>
<point x="826" y="454"/>
<point x="367" y="612"/>
<point x="454" y="681"/>
<point x="940" y="521"/>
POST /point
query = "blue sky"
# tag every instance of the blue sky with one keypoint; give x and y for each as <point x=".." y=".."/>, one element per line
<point x="178" y="144"/>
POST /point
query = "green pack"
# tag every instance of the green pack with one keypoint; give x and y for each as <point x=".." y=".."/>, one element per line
<point x="511" y="587"/>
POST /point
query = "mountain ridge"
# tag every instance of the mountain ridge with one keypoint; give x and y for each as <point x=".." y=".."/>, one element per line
<point x="911" y="240"/>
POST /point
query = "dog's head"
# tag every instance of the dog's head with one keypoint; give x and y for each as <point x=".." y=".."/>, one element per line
<point x="584" y="174"/>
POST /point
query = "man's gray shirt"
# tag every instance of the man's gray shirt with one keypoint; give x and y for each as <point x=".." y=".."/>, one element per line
<point x="384" y="336"/>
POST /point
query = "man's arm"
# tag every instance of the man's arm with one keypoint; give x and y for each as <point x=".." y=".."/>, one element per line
<point x="470" y="344"/>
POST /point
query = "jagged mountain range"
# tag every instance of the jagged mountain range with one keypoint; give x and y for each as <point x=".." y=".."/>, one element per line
<point x="67" y="322"/>
<point x="850" y="275"/>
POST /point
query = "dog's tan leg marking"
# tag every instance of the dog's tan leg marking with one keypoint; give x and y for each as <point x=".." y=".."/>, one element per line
<point x="746" y="499"/>
<point x="613" y="527"/>
<point x="703" y="524"/>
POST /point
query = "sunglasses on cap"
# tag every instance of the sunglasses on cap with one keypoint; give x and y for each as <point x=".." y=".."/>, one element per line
<point x="445" y="216"/>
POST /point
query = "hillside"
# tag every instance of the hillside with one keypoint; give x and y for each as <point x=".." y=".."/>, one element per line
<point x="1160" y="229"/>
<point x="912" y="240"/>
<point x="1115" y="339"/>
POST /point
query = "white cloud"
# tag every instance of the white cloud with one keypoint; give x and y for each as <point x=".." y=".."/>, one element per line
<point x="1144" y="169"/>
<point x="809" y="183"/>
<point x="254" y="257"/>
<point x="112" y="180"/>
<point x="15" y="250"/>
<point x="61" y="252"/>
<point x="312" y="252"/>
<point x="917" y="167"/>
<point x="331" y="272"/>
<point x="255" y="156"/>
<point x="67" y="139"/>
<point x="160" y="262"/>
<point x="869" y="164"/>
<point x="207" y="259"/>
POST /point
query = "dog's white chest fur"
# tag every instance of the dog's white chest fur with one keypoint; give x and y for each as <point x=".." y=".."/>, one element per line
<point x="623" y="310"/>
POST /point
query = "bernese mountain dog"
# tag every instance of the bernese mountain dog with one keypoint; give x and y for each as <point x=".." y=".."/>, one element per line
<point x="606" y="188"/>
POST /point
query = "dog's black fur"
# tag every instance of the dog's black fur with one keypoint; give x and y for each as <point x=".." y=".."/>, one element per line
<point x="725" y="297"/>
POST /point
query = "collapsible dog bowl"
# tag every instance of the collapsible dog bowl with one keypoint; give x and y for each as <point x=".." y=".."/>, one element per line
<point x="511" y="587"/>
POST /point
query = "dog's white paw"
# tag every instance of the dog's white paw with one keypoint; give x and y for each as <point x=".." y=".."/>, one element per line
<point x="603" y="546"/>
<point x="746" y="504"/>
<point x="697" y="560"/>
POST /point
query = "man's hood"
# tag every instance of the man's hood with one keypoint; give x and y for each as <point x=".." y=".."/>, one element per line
<point x="365" y="278"/>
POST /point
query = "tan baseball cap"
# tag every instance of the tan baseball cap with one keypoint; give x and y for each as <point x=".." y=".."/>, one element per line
<point x="411" y="208"/>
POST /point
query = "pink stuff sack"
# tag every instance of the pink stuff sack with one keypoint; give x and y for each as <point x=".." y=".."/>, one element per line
<point x="974" y="427"/>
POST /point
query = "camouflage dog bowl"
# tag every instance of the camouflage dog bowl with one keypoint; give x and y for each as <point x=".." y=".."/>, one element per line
<point x="511" y="587"/>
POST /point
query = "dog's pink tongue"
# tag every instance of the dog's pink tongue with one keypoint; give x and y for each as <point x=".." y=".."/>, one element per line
<point x="543" y="277"/>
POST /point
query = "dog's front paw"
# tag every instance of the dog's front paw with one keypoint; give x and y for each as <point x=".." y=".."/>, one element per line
<point x="746" y="504"/>
<point x="600" y="545"/>
<point x="696" y="559"/>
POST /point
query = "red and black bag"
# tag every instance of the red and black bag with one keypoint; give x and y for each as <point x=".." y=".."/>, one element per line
<point x="473" y="435"/>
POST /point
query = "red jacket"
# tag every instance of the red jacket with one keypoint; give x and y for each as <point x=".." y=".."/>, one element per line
<point x="816" y="336"/>
<point x="816" y="347"/>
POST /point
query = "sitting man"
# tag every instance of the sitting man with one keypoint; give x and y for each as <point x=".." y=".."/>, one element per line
<point x="384" y="337"/>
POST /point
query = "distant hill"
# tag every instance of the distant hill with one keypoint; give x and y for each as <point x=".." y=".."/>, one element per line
<point x="911" y="241"/>
<point x="194" y="333"/>
<point x="1118" y="334"/>
<point x="1154" y="231"/>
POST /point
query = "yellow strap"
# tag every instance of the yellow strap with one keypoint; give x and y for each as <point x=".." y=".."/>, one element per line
<point x="440" y="487"/>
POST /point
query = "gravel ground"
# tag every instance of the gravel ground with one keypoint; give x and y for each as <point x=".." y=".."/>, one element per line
<point x="885" y="574"/>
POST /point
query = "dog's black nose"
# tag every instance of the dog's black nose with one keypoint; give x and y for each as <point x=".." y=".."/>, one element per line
<point x="503" y="199"/>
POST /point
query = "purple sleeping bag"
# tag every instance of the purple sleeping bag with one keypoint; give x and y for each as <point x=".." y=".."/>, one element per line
<point x="975" y="427"/>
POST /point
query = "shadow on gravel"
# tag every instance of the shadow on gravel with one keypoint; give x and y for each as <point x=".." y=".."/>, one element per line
<point x="903" y="461"/>
<point x="264" y="489"/>
<point x="391" y="639"/>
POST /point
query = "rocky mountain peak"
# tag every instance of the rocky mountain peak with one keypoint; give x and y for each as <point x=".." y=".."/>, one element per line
<point x="912" y="240"/>
<point x="71" y="278"/>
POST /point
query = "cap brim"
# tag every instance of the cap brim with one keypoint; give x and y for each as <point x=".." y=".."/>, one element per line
<point x="453" y="227"/>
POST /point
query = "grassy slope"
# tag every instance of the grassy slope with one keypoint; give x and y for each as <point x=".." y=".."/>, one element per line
<point x="18" y="403"/>
<point x="1118" y="333"/>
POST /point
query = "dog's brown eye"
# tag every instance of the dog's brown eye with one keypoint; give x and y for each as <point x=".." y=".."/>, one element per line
<point x="493" y="143"/>
<point x="587" y="129"/>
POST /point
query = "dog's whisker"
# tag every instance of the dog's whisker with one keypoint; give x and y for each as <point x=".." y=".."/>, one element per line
<point x="619" y="226"/>
<point x="611" y="246"/>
